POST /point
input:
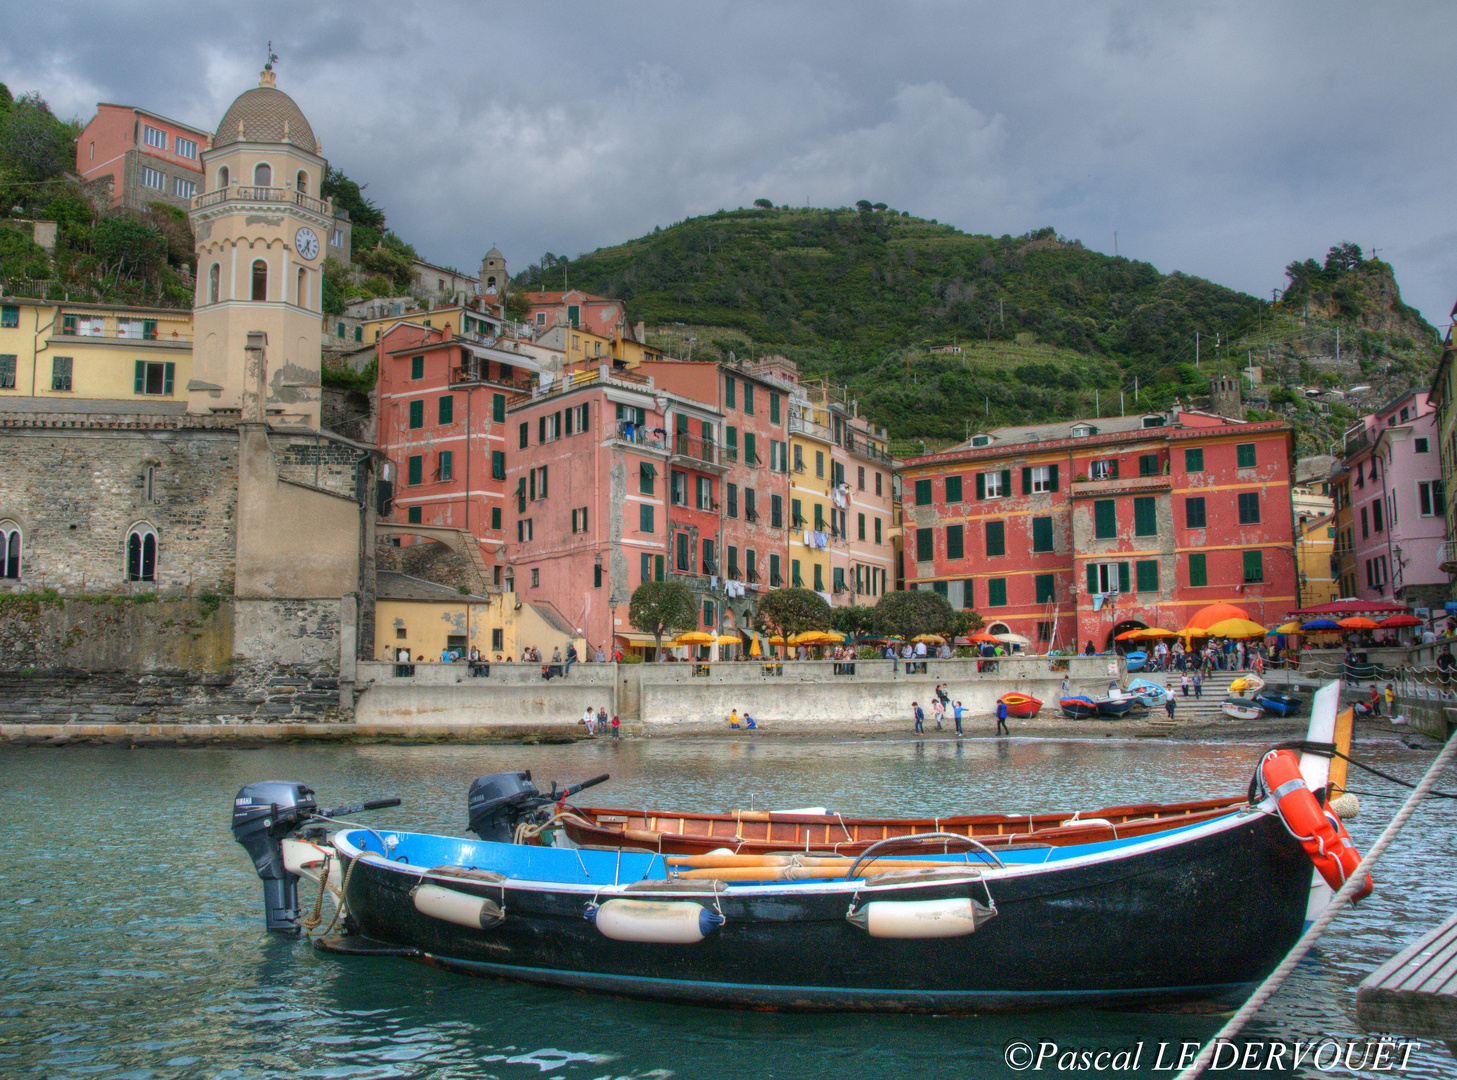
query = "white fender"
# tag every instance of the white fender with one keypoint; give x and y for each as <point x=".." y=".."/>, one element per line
<point x="462" y="909"/>
<point x="955" y="917"/>
<point x="662" y="922"/>
<point x="305" y="858"/>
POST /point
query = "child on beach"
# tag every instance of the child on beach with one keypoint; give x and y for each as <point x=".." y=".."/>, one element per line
<point x="616" y="728"/>
<point x="734" y="719"/>
<point x="938" y="711"/>
<point x="957" y="709"/>
<point x="920" y="718"/>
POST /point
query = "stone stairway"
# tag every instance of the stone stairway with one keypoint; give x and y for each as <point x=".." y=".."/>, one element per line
<point x="1205" y="707"/>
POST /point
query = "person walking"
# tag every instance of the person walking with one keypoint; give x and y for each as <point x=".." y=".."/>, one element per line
<point x="957" y="713"/>
<point x="1184" y="683"/>
<point x="920" y="718"/>
<point x="938" y="712"/>
<point x="1169" y="700"/>
<point x="1198" y="684"/>
<point x="1002" y="718"/>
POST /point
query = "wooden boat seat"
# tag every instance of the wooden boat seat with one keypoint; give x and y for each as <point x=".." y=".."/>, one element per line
<point x="1415" y="992"/>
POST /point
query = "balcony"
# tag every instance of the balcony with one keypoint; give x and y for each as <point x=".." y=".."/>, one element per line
<point x="697" y="452"/>
<point x="479" y="372"/>
<point x="864" y="448"/>
<point x="798" y="425"/>
<point x="1449" y="557"/>
<point x="1087" y="489"/>
<point x="641" y="435"/>
<point x="249" y="193"/>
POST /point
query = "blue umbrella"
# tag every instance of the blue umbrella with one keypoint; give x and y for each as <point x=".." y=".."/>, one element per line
<point x="1320" y="624"/>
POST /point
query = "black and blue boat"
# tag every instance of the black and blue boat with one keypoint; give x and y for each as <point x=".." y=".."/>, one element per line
<point x="1279" y="703"/>
<point x="1078" y="707"/>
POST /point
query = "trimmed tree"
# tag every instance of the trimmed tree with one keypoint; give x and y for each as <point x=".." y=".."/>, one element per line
<point x="660" y="606"/>
<point x="854" y="621"/>
<point x="909" y="612"/>
<point x="967" y="623"/>
<point x="793" y="611"/>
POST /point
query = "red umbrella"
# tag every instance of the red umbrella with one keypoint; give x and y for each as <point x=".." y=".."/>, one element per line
<point x="1397" y="621"/>
<point x="1357" y="622"/>
<point x="983" y="636"/>
<point x="1204" y="618"/>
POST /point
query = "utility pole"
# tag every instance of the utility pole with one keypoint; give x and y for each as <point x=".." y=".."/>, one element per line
<point x="1115" y="243"/>
<point x="1121" y="410"/>
<point x="1135" y="390"/>
<point x="1097" y="407"/>
<point x="1196" y="348"/>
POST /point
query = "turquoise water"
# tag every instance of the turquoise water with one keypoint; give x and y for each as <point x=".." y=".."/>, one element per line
<point x="131" y="939"/>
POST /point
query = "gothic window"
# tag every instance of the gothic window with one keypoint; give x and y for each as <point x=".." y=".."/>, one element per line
<point x="9" y="549"/>
<point x="214" y="278"/>
<point x="302" y="183"/>
<point x="262" y="175"/>
<point x="260" y="280"/>
<point x="223" y="177"/>
<point x="141" y="553"/>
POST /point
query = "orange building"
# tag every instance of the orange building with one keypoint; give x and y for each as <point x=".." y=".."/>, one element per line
<point x="148" y="157"/>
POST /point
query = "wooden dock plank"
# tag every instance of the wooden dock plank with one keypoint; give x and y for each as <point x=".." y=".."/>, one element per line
<point x="1415" y="992"/>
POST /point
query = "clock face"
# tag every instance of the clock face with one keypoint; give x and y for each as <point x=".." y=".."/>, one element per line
<point x="307" y="242"/>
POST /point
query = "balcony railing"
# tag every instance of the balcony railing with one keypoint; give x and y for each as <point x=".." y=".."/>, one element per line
<point x="252" y="193"/>
<point x="865" y="448"/>
<point x="694" y="446"/>
<point x="801" y="426"/>
<point x="641" y="435"/>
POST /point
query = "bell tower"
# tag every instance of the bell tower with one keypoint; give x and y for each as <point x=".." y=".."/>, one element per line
<point x="493" y="274"/>
<point x="261" y="230"/>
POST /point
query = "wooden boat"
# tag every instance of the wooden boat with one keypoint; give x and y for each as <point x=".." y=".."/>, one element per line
<point x="1150" y="694"/>
<point x="769" y="831"/>
<point x="1242" y="708"/>
<point x="1279" y="703"/>
<point x="1078" y="707"/>
<point x="1135" y="660"/>
<point x="1024" y="706"/>
<point x="1117" y="706"/>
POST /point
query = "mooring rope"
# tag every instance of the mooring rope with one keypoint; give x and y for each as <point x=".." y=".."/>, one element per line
<point x="1338" y="901"/>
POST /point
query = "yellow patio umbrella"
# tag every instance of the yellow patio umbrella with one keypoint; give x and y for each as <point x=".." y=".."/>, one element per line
<point x="730" y="639"/>
<point x="754" y="649"/>
<point x="815" y="637"/>
<point x="1291" y="627"/>
<point x="777" y="639"/>
<point x="1235" y="628"/>
<point x="1152" y="632"/>
<point x="694" y="637"/>
<point x="1192" y="632"/>
<point x="930" y="639"/>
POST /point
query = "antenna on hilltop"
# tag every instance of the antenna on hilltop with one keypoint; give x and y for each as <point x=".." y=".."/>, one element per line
<point x="272" y="58"/>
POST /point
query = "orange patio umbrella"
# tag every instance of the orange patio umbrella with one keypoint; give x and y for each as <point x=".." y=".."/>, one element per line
<point x="1204" y="618"/>
<point x="1358" y="622"/>
<point x="1128" y="635"/>
<point x="983" y="636"/>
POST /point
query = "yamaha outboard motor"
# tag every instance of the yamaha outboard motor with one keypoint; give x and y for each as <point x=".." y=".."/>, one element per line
<point x="499" y="802"/>
<point x="263" y="814"/>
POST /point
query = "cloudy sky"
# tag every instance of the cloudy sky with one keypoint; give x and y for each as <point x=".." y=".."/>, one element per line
<point x="1223" y="140"/>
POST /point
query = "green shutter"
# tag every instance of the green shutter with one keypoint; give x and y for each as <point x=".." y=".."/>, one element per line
<point x="1006" y="481"/>
<point x="415" y="469"/>
<point x="981" y="486"/>
<point x="1053" y="478"/>
<point x="658" y="567"/>
<point x="953" y="542"/>
<point x="1026" y="479"/>
<point x="996" y="592"/>
<point x="417" y="367"/>
<point x="1245" y="455"/>
<point x="1198" y="571"/>
<point x="498" y="408"/>
<point x="149" y="329"/>
<point x="953" y="489"/>
<point x="139" y="385"/>
<point x="1254" y="567"/>
<point x="447" y="409"/>
<point x="923" y="493"/>
<point x="1123" y="577"/>
<point x="168" y="371"/>
<point x="773" y="405"/>
<point x="1194" y="460"/>
<point x="1105" y="519"/>
<point x="1045" y="588"/>
<point x="1145" y="516"/>
<point x="1147" y="575"/>
<point x="925" y="550"/>
<point x="417" y="414"/>
<point x="996" y="538"/>
<point x="1042" y="534"/>
<point x="1092" y="578"/>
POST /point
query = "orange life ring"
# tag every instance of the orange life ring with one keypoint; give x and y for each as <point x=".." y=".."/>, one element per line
<point x="1319" y="831"/>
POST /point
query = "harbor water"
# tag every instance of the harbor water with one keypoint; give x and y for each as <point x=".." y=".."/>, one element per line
<point x="132" y="941"/>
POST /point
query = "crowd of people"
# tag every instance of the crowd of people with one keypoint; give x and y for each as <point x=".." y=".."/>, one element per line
<point x="1216" y="654"/>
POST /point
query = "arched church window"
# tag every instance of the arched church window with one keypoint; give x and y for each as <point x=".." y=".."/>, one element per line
<point x="262" y="175"/>
<point x="260" y="280"/>
<point x="9" y="549"/>
<point x="223" y="177"/>
<point x="301" y="294"/>
<point x="302" y="183"/>
<point x="214" y="278"/>
<point x="141" y="553"/>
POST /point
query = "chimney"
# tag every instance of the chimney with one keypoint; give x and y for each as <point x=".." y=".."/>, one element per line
<point x="255" y="377"/>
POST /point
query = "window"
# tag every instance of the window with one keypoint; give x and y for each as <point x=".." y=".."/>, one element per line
<point x="877" y="530"/>
<point x="773" y="405"/>
<point x="749" y="399"/>
<point x="776" y="579"/>
<point x="776" y="511"/>
<point x="646" y="475"/>
<point x="262" y="175"/>
<point x="1431" y="497"/>
<point x="154" y="136"/>
<point x="1365" y="528"/>
<point x="446" y="410"/>
<point x="751" y="512"/>
<point x="1254" y="567"/>
<point x="1045" y="584"/>
<point x="153" y="378"/>
<point x="678" y="487"/>
<point x="417" y="414"/>
<point x="729" y="395"/>
<point x="645" y="517"/>
<point x="794" y="577"/>
<point x="153" y="179"/>
<point x="798" y="458"/>
<point x="953" y="488"/>
<point x="751" y="450"/>
<point x="415" y="470"/>
<point x="877" y="484"/>
<point x="925" y="549"/>
<point x="445" y="465"/>
<point x="861" y="527"/>
<point x="997" y="592"/>
<point x="1194" y="460"/>
<point x="1377" y="524"/>
<point x="535" y="577"/>
<point x="214" y="279"/>
<point x="1104" y="470"/>
<point x="704" y="493"/>
<point x="819" y="578"/>
<point x="1249" y="508"/>
<point x="523" y="435"/>
<point x="819" y="463"/>
<point x="1105" y="519"/>
<point x="1041" y="534"/>
<point x="730" y="443"/>
<point x="1198" y="571"/>
<point x="1082" y="431"/>
<point x="1044" y="631"/>
<point x="685" y="554"/>
<point x="1146" y="575"/>
<point x="498" y="408"/>
<point x="183" y="189"/>
<point x="417" y="369"/>
<point x="709" y="566"/>
<point x="537" y="478"/>
<point x="412" y="515"/>
<point x="1148" y="464"/>
<point x="923" y="493"/>
<point x="223" y="177"/>
<point x="1106" y="578"/>
<point x="994" y="485"/>
<point x="1244" y="455"/>
<point x="524" y="531"/>
<point x="496" y="523"/>
<point x="796" y="514"/>
<point x="968" y="590"/>
<point x="860" y="479"/>
<point x="7" y="371"/>
<point x="1194" y="513"/>
<point x="579" y="520"/>
<point x="184" y="147"/>
<point x="260" y="280"/>
<point x="9" y="549"/>
<point x="1419" y="446"/>
<point x="9" y="315"/>
<point x="1039" y="479"/>
<point x="731" y="500"/>
<point x="61" y="373"/>
<point x="996" y="538"/>
<point x="141" y="553"/>
<point x="1145" y="516"/>
<point x="953" y="542"/>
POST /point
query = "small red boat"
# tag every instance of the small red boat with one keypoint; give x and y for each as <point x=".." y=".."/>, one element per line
<point x="1022" y="705"/>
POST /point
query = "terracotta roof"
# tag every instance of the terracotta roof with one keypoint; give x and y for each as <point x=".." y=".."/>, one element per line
<point x="263" y="113"/>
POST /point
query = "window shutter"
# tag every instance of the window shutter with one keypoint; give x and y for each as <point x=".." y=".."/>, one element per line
<point x="1123" y="577"/>
<point x="1053" y="478"/>
<point x="543" y="481"/>
<point x="1092" y="578"/>
<point x="1026" y="480"/>
<point x="140" y="384"/>
<point x="167" y="373"/>
<point x="531" y="491"/>
<point x="149" y="329"/>
<point x="981" y="485"/>
<point x="1006" y="481"/>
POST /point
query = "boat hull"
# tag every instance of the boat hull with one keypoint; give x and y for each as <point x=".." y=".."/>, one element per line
<point x="1196" y="918"/>
<point x="1117" y="706"/>
<point x="1021" y="706"/>
<point x="1242" y="710"/>
<point x="1282" y="704"/>
<point x="1078" y="708"/>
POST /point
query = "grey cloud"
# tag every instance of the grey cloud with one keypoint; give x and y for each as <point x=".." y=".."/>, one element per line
<point x="1222" y="140"/>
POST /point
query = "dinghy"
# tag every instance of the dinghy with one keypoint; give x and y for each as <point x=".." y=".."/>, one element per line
<point x="1079" y="707"/>
<point x="1024" y="706"/>
<point x="1279" y="703"/>
<point x="1239" y="708"/>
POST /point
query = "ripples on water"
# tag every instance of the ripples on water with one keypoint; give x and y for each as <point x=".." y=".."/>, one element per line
<point x="133" y="942"/>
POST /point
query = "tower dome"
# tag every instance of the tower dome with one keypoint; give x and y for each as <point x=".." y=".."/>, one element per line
<point x="265" y="114"/>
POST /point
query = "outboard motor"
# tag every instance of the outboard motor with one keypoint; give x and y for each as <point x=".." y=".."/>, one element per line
<point x="499" y="802"/>
<point x="263" y="814"/>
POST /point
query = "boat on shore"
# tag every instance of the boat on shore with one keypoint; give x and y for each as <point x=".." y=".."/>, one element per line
<point x="1135" y="661"/>
<point x="1281" y="704"/>
<point x="1078" y="707"/>
<point x="1149" y="694"/>
<point x="1238" y="708"/>
<point x="1022" y="706"/>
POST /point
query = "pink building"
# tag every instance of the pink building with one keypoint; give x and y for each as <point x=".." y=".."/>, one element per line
<point x="148" y="157"/>
<point x="594" y="314"/>
<point x="1391" y="506"/>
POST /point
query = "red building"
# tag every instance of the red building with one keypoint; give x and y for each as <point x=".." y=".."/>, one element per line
<point x="1074" y="532"/>
<point x="594" y="314"/>
<point x="148" y="157"/>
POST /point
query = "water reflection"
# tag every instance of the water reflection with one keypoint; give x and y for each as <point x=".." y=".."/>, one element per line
<point x="133" y="942"/>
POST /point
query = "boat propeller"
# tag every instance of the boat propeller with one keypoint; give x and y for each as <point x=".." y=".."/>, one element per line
<point x="266" y="812"/>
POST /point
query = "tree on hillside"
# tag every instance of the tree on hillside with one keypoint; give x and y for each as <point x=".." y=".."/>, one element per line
<point x="34" y="145"/>
<point x="764" y="204"/>
<point x="793" y="611"/>
<point x="910" y="612"/>
<point x="127" y="249"/>
<point x="660" y="606"/>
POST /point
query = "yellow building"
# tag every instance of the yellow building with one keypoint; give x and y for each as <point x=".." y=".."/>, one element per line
<point x="811" y="474"/>
<point x="428" y="618"/>
<point x="1315" y="545"/>
<point x="94" y="352"/>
